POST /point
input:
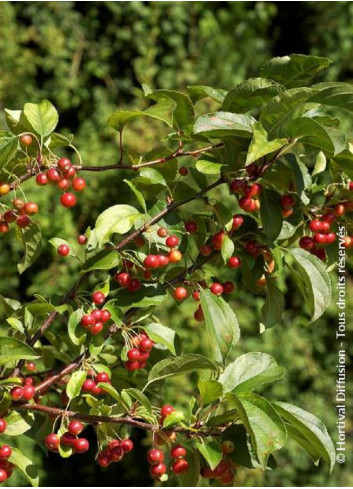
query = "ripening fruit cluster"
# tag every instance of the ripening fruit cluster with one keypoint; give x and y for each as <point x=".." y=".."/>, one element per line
<point x="114" y="451"/>
<point x="63" y="175"/>
<point x="138" y="355"/>
<point x="95" y="320"/>
<point x="25" y="392"/>
<point x="322" y="236"/>
<point x="287" y="204"/>
<point x="19" y="214"/>
<point x="69" y="438"/>
<point x="224" y="472"/>
<point x="5" y="453"/>
<point x="90" y="385"/>
<point x="155" y="458"/>
<point x="249" y="192"/>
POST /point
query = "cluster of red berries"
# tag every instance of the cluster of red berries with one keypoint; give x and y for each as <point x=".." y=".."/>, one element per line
<point x="63" y="175"/>
<point x="91" y="385"/>
<point x="69" y="438"/>
<point x="287" y="204"/>
<point x="114" y="451"/>
<point x="20" y="214"/>
<point x="139" y="353"/>
<point x="322" y="236"/>
<point x="5" y="453"/>
<point x="158" y="468"/>
<point x="95" y="320"/>
<point x="25" y="392"/>
<point x="64" y="249"/>
<point x="250" y="192"/>
<point x="224" y="472"/>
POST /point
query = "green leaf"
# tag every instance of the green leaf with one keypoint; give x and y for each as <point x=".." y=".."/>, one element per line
<point x="227" y="249"/>
<point x="26" y="466"/>
<point x="260" y="146"/>
<point x="183" y="114"/>
<point x="320" y="164"/>
<point x="192" y="476"/>
<point x="32" y="242"/>
<point x="271" y="213"/>
<point x="172" y="419"/>
<point x="76" y="333"/>
<point x="221" y="324"/>
<point x="8" y="148"/>
<point x="169" y="367"/>
<point x="103" y="260"/>
<point x="139" y="196"/>
<point x="16" y="122"/>
<point x="147" y="295"/>
<point x="249" y="371"/>
<point x="211" y="450"/>
<point x="208" y="167"/>
<point x="150" y="176"/>
<point x="334" y="94"/>
<point x="140" y="397"/>
<point x="251" y="93"/>
<point x="313" y="281"/>
<point x="210" y="391"/>
<point x="265" y="427"/>
<point x="311" y="429"/>
<point x="301" y="176"/>
<point x="310" y="132"/>
<point x="117" y="219"/>
<point x="42" y="117"/>
<point x="109" y="389"/>
<point x="5" y="402"/>
<point x="162" y="335"/>
<point x="295" y="70"/>
<point x="162" y="111"/>
<point x="75" y="383"/>
<point x="223" y="125"/>
<point x="274" y="305"/>
<point x="13" y="350"/>
<point x="198" y="92"/>
<point x="19" y="423"/>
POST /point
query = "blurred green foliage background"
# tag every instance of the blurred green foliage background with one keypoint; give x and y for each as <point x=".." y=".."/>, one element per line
<point x="89" y="58"/>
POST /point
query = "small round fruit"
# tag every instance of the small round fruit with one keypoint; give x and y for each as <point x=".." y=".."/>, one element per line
<point x="28" y="392"/>
<point x="228" y="287"/>
<point x="81" y="445"/>
<point x="183" y="171"/>
<point x="127" y="445"/>
<point x="287" y="213"/>
<point x="5" y="452"/>
<point x="16" y="393"/>
<point x="87" y="320"/>
<point x="151" y="261"/>
<point x="287" y="201"/>
<point x="196" y="295"/>
<point x="166" y="410"/>
<point x="227" y="447"/>
<point x="26" y="139"/>
<point x="3" y="475"/>
<point x="146" y="345"/>
<point x="330" y="238"/>
<point x="159" y="469"/>
<point x="172" y="241"/>
<point x="253" y="190"/>
<point x="52" y="442"/>
<point x="75" y="427"/>
<point x="122" y="278"/>
<point x="3" y="425"/>
<point x="238" y="186"/>
<point x="198" y="315"/>
<point x="133" y="354"/>
<point x="18" y="204"/>
<point x="306" y="242"/>
<point x="320" y="238"/>
<point x="178" y="451"/>
<point x="31" y="366"/>
<point x="105" y="315"/>
<point x="234" y="262"/>
<point x="4" y="188"/>
<point x="325" y="227"/>
<point x="41" y="179"/>
<point x="227" y="478"/>
<point x="174" y="256"/>
<point x="340" y="210"/>
<point x="70" y="173"/>
<point x="315" y="226"/>
<point x="237" y="221"/>
<point x="98" y="298"/>
<point x="205" y="250"/>
<point x="102" y="377"/>
<point x="180" y="466"/>
<point x="348" y="241"/>
<point x="88" y="385"/>
<point x="103" y="460"/>
<point x="162" y="232"/>
<point x="216" y="289"/>
<point x="163" y="260"/>
<point x="23" y="221"/>
<point x="68" y="200"/>
<point x="217" y="240"/>
<point x="132" y="366"/>
<point x="96" y="328"/>
<point x="64" y="164"/>
<point x="78" y="184"/>
<point x="155" y="456"/>
<point x="180" y="293"/>
<point x="191" y="227"/>
<point x="247" y="204"/>
<point x="134" y="285"/>
<point x="53" y="176"/>
<point x="64" y="184"/>
<point x="9" y="216"/>
<point x="4" y="227"/>
<point x="82" y="239"/>
<point x="63" y="250"/>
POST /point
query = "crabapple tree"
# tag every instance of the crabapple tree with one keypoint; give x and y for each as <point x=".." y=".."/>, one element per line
<point x="254" y="192"/>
